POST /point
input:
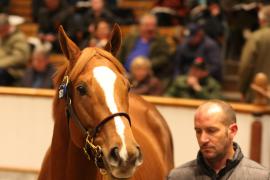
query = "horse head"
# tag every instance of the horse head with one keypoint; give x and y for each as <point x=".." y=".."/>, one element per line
<point x="95" y="89"/>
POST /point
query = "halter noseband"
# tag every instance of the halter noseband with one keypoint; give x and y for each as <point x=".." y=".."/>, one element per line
<point x="91" y="151"/>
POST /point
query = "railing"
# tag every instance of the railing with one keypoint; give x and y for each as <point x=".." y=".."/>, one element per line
<point x="163" y="101"/>
<point x="255" y="133"/>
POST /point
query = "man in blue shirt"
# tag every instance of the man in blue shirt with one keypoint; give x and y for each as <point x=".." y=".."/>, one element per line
<point x="146" y="43"/>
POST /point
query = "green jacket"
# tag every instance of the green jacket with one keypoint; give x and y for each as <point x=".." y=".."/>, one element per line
<point x="255" y="58"/>
<point x="180" y="88"/>
<point x="14" y="53"/>
<point x="158" y="54"/>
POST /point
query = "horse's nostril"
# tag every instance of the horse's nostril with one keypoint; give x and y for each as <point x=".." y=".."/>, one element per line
<point x="114" y="154"/>
<point x="139" y="159"/>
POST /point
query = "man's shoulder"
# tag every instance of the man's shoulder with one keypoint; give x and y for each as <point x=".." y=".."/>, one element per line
<point x="248" y="163"/>
<point x="259" y="35"/>
<point x="186" y="170"/>
<point x="252" y="168"/>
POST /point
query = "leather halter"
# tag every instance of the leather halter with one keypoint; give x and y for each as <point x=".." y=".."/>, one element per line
<point x="91" y="151"/>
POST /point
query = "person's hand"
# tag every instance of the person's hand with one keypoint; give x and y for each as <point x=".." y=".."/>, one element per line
<point x="194" y="83"/>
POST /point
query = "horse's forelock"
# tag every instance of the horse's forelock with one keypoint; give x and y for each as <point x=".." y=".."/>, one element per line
<point x="87" y="55"/>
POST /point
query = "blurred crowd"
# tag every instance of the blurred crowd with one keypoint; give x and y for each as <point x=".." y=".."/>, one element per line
<point x="212" y="32"/>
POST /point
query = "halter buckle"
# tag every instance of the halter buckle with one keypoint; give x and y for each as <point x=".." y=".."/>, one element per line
<point x="96" y="150"/>
<point x="62" y="91"/>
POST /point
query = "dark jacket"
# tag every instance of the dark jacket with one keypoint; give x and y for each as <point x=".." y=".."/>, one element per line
<point x="158" y="53"/>
<point x="50" y="20"/>
<point x="149" y="86"/>
<point x="208" y="49"/>
<point x="238" y="168"/>
<point x="210" y="89"/>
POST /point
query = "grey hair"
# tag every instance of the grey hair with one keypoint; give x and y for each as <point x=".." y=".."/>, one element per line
<point x="146" y="16"/>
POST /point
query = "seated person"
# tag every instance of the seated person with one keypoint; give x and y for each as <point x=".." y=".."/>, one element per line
<point x="219" y="157"/>
<point x="97" y="11"/>
<point x="40" y="72"/>
<point x="197" y="44"/>
<point x="146" y="43"/>
<point x="196" y="84"/>
<point x="53" y="14"/>
<point x="14" y="52"/>
<point x="142" y="79"/>
<point x="101" y="34"/>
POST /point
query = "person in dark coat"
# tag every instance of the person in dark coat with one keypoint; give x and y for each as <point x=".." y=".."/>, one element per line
<point x="40" y="72"/>
<point x="197" y="44"/>
<point x="53" y="14"/>
<point x="97" y="11"/>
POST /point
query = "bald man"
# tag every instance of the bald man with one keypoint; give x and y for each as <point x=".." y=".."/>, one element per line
<point x="219" y="158"/>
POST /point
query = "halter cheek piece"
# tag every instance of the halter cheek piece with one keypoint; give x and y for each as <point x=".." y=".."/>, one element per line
<point x="90" y="150"/>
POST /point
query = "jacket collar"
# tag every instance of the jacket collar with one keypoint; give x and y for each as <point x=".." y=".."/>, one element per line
<point x="230" y="164"/>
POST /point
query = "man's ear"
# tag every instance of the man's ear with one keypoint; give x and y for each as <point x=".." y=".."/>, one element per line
<point x="114" y="43"/>
<point x="233" y="128"/>
<point x="69" y="48"/>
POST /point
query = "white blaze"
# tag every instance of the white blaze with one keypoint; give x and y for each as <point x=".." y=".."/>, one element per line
<point x="106" y="79"/>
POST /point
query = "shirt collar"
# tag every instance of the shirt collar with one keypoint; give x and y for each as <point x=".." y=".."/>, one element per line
<point x="230" y="163"/>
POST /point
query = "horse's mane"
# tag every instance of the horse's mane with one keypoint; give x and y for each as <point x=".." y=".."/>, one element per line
<point x="85" y="57"/>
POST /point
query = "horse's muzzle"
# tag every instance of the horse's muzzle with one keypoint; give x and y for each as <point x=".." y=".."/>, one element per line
<point x="124" y="167"/>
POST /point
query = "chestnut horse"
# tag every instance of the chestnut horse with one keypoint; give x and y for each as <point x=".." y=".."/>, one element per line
<point x="101" y="131"/>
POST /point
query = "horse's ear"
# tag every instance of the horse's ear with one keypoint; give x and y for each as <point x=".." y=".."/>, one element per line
<point x="69" y="48"/>
<point x="115" y="40"/>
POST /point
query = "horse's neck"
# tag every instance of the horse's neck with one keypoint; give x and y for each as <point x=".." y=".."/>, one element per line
<point x="67" y="160"/>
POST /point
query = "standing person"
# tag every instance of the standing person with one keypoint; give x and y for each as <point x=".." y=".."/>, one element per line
<point x="197" y="44"/>
<point x="255" y="56"/>
<point x="146" y="43"/>
<point x="196" y="84"/>
<point x="14" y="52"/>
<point x="219" y="156"/>
<point x="142" y="79"/>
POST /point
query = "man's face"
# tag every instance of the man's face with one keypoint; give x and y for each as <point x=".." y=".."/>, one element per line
<point x="52" y="4"/>
<point x="140" y="73"/>
<point x="214" y="137"/>
<point x="148" y="27"/>
<point x="103" y="30"/>
<point x="40" y="62"/>
<point x="97" y="5"/>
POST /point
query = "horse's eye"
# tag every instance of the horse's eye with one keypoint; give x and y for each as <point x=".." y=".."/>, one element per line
<point x="82" y="90"/>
